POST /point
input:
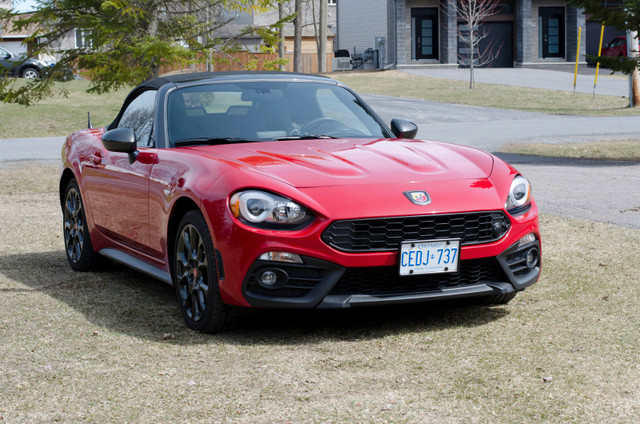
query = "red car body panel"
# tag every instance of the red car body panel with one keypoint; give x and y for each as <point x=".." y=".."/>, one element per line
<point x="333" y="181"/>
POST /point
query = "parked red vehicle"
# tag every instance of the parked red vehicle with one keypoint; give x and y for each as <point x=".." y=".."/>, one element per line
<point x="616" y="47"/>
<point x="278" y="190"/>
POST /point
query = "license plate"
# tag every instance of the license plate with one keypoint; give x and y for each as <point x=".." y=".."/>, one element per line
<point x="429" y="257"/>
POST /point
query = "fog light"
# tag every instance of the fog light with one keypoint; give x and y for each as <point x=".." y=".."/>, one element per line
<point x="269" y="278"/>
<point x="272" y="278"/>
<point x="533" y="256"/>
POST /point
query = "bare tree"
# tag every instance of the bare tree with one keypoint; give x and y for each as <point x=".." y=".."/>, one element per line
<point x="471" y="33"/>
<point x="281" y="45"/>
<point x="297" y="37"/>
<point x="322" y="35"/>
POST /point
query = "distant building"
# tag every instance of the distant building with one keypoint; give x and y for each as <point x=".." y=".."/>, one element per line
<point x="10" y="40"/>
<point x="425" y="32"/>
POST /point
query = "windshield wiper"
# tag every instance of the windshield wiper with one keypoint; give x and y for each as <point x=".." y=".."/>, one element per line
<point x="214" y="140"/>
<point x="305" y="137"/>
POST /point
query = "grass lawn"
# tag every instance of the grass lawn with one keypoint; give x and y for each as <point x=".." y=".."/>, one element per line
<point x="628" y="150"/>
<point x="110" y="346"/>
<point x="59" y="116"/>
<point x="400" y="84"/>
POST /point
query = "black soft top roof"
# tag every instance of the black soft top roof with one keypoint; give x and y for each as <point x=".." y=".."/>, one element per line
<point x="177" y="79"/>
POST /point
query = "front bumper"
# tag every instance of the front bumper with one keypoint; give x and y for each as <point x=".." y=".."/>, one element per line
<point x="323" y="284"/>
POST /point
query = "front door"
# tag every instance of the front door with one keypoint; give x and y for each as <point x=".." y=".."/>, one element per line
<point x="552" y="31"/>
<point x="118" y="195"/>
<point x="424" y="21"/>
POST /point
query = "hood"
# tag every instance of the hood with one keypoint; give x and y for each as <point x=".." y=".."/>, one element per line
<point x="326" y="163"/>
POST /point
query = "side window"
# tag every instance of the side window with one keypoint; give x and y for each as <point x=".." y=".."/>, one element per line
<point x="139" y="117"/>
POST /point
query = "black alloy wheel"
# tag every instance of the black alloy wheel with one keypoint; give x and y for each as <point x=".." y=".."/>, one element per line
<point x="77" y="242"/>
<point x="195" y="276"/>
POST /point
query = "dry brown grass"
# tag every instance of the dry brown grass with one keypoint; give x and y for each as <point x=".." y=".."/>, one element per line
<point x="628" y="150"/>
<point x="60" y="115"/>
<point x="89" y="347"/>
<point x="400" y="84"/>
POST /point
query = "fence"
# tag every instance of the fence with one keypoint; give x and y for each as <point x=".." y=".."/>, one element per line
<point x="240" y="60"/>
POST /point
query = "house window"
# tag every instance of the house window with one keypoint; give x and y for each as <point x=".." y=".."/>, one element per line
<point x="551" y="32"/>
<point x="82" y="39"/>
<point x="332" y="2"/>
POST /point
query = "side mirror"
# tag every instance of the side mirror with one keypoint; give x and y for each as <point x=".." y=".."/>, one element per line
<point x="121" y="140"/>
<point x="403" y="128"/>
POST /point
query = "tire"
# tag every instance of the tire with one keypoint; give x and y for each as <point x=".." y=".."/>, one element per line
<point x="195" y="277"/>
<point x="499" y="299"/>
<point x="77" y="240"/>
<point x="30" y="73"/>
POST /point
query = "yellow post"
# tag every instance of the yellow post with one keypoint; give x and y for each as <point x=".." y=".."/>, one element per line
<point x="595" y="81"/>
<point x="575" y="74"/>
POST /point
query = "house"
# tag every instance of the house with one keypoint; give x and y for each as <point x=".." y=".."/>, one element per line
<point x="12" y="41"/>
<point x="409" y="33"/>
<point x="310" y="19"/>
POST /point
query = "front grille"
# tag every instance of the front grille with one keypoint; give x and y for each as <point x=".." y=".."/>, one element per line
<point x="386" y="281"/>
<point x="386" y="234"/>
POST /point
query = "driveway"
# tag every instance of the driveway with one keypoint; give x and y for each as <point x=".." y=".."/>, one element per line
<point x="616" y="85"/>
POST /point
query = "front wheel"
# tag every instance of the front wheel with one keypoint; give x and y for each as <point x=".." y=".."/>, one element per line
<point x="195" y="276"/>
<point x="30" y="73"/>
<point x="77" y="242"/>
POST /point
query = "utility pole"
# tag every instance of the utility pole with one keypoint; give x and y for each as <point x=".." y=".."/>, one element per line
<point x="322" y="35"/>
<point x="632" y="53"/>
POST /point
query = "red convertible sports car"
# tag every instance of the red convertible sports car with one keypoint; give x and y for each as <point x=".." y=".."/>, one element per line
<point x="278" y="190"/>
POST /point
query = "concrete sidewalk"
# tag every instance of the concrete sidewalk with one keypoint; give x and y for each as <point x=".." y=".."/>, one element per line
<point x="610" y="85"/>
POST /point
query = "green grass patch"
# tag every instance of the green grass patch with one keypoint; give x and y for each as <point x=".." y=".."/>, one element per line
<point x="62" y="114"/>
<point x="400" y="84"/>
<point x="110" y="345"/>
<point x="626" y="150"/>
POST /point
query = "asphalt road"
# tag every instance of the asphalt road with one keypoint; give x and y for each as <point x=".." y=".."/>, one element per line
<point x="489" y="128"/>
<point x="594" y="190"/>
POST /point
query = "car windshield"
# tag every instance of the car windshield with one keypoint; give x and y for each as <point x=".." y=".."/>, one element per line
<point x="221" y="113"/>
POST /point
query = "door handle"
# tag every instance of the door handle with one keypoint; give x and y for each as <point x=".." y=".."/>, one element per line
<point x="96" y="158"/>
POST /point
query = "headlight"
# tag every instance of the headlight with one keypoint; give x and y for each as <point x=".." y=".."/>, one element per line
<point x="519" y="198"/>
<point x="266" y="210"/>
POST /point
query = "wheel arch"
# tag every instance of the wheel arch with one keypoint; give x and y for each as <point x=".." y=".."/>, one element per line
<point x="179" y="209"/>
<point x="67" y="175"/>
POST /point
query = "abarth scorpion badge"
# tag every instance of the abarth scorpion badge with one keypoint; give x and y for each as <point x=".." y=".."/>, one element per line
<point x="418" y="197"/>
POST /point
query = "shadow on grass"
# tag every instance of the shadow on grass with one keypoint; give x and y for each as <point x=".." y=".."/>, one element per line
<point x="122" y="300"/>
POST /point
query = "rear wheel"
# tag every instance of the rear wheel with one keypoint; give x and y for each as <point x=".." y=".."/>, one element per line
<point x="77" y="242"/>
<point x="195" y="276"/>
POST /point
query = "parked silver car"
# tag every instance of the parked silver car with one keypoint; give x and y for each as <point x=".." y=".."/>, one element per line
<point x="19" y="66"/>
